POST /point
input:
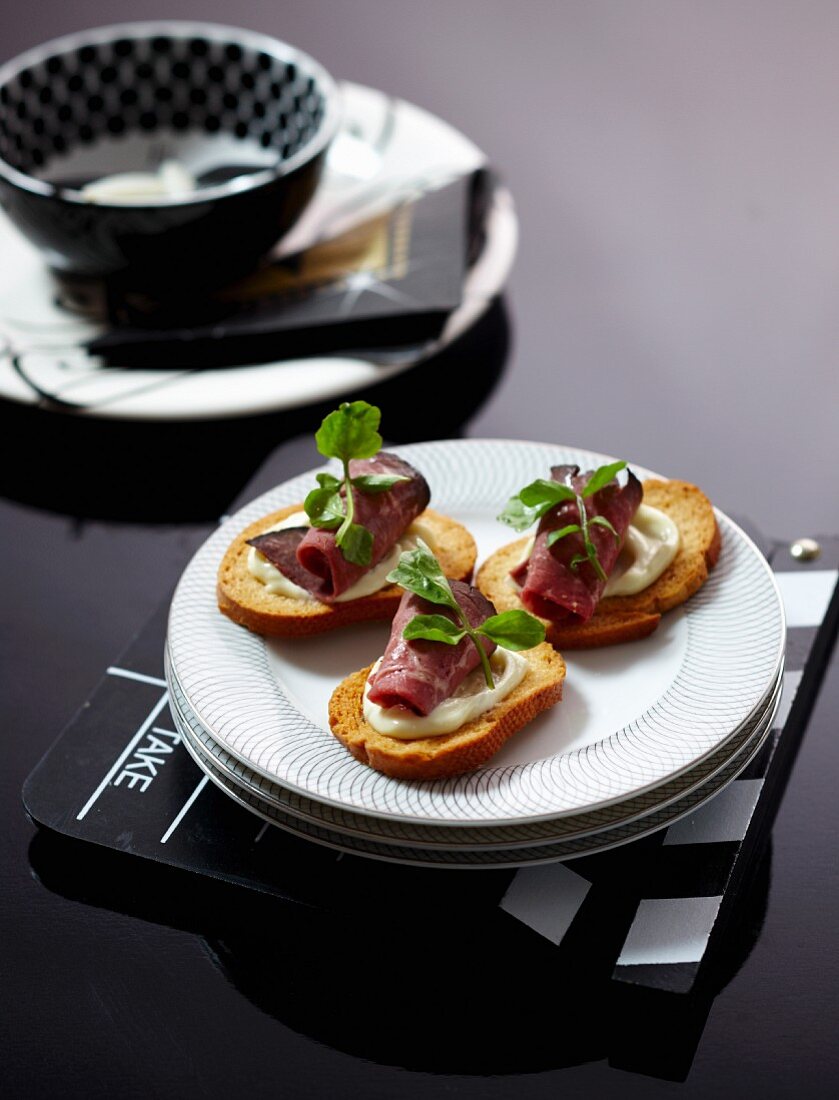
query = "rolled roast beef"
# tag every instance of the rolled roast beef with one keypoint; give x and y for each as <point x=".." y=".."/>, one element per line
<point x="310" y="557"/>
<point x="419" y="675"/>
<point x="550" y="587"/>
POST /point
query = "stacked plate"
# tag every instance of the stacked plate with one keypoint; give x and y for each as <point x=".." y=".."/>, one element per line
<point x="645" y="733"/>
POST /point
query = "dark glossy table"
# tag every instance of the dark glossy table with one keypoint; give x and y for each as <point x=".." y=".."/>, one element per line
<point x="674" y="300"/>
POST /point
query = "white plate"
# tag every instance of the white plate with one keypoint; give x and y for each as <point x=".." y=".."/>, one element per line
<point x="386" y="151"/>
<point x="632" y="716"/>
<point x="482" y="859"/>
<point x="381" y="830"/>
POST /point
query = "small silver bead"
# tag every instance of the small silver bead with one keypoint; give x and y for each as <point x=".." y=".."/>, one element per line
<point x="805" y="549"/>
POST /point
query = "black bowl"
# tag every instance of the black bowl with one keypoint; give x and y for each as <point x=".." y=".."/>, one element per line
<point x="250" y="116"/>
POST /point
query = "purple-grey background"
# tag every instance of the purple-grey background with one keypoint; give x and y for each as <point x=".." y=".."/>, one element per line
<point x="676" y="168"/>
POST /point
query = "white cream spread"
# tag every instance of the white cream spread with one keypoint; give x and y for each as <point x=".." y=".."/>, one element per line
<point x="278" y="584"/>
<point x="651" y="543"/>
<point x="471" y="699"/>
<point x="170" y="181"/>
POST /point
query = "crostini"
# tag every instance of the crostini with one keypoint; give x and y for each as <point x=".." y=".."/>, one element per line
<point x="323" y="563"/>
<point x="607" y="559"/>
<point x="455" y="682"/>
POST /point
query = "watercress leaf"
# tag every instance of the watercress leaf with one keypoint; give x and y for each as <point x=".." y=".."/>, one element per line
<point x="531" y="503"/>
<point x="577" y="561"/>
<point x="377" y="483"/>
<point x="547" y="492"/>
<point x="351" y="431"/>
<point x="328" y="481"/>
<point x="602" y="476"/>
<point x="601" y="521"/>
<point x="570" y="529"/>
<point x="356" y="544"/>
<point x="324" y="507"/>
<point x="419" y="572"/>
<point x="433" y="628"/>
<point x="519" y="517"/>
<point x="513" y="630"/>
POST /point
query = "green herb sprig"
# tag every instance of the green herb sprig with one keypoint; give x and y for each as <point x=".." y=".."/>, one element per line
<point x="351" y="431"/>
<point x="534" y="500"/>
<point x="419" y="572"/>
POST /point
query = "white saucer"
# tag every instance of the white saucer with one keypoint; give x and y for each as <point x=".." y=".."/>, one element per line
<point x="387" y="151"/>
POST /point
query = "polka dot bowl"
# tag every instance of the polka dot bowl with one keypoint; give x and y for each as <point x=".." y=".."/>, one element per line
<point x="249" y="117"/>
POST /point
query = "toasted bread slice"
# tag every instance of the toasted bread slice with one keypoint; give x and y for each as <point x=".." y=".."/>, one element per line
<point x="248" y="602"/>
<point x="451" y="753"/>
<point x="627" y="618"/>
